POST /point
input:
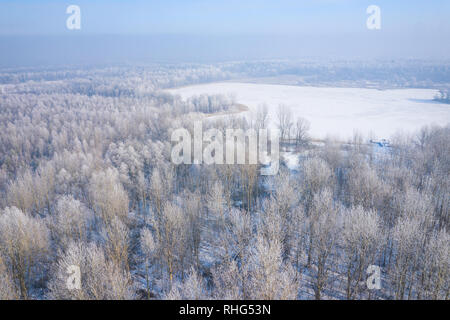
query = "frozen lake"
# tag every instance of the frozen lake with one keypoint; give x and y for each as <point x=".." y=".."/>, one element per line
<point x="337" y="111"/>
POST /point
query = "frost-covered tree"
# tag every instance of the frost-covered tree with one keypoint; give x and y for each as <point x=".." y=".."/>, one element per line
<point x="364" y="186"/>
<point x="301" y="129"/>
<point x="361" y="237"/>
<point x="21" y="192"/>
<point x="24" y="246"/>
<point x="408" y="240"/>
<point x="8" y="290"/>
<point x="192" y="288"/>
<point x="285" y="197"/>
<point x="157" y="191"/>
<point x="100" y="278"/>
<point x="116" y="236"/>
<point x="269" y="277"/>
<point x="324" y="232"/>
<point x="284" y="117"/>
<point x="71" y="221"/>
<point x="109" y="199"/>
<point x="148" y="246"/>
<point x="193" y="207"/>
<point x="434" y="275"/>
<point x="262" y="117"/>
<point x="172" y="239"/>
<point x="317" y="175"/>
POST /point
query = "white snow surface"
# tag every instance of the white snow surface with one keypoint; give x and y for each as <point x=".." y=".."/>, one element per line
<point x="291" y="159"/>
<point x="337" y="112"/>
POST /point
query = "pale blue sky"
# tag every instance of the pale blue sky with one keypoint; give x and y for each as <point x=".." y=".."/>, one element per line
<point x="201" y="17"/>
<point x="34" y="31"/>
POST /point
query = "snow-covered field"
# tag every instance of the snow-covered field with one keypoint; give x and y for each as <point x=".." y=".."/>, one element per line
<point x="337" y="111"/>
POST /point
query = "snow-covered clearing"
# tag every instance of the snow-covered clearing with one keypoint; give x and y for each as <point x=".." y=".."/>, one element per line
<point x="337" y="111"/>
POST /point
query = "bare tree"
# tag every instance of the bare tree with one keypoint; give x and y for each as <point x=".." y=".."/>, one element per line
<point x="299" y="225"/>
<point x="301" y="129"/>
<point x="148" y="246"/>
<point x="248" y="177"/>
<point x="192" y="288"/>
<point x="364" y="186"/>
<point x="24" y="242"/>
<point x="21" y="192"/>
<point x="324" y="234"/>
<point x="156" y="190"/>
<point x="270" y="278"/>
<point x="435" y="269"/>
<point x="8" y="290"/>
<point x="108" y="197"/>
<point x="230" y="280"/>
<point x="116" y="236"/>
<point x="317" y="175"/>
<point x="100" y="278"/>
<point x="173" y="239"/>
<point x="262" y="115"/>
<point x="194" y="212"/>
<point x="408" y="238"/>
<point x="285" y="197"/>
<point x="70" y="221"/>
<point x="362" y="236"/>
<point x="284" y="122"/>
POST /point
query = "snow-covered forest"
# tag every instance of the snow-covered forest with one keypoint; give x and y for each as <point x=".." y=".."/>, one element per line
<point x="86" y="180"/>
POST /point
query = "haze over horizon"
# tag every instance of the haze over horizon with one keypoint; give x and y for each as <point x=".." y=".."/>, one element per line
<point x="203" y="31"/>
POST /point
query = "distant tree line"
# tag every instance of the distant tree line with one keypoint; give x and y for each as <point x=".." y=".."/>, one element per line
<point x="443" y="96"/>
